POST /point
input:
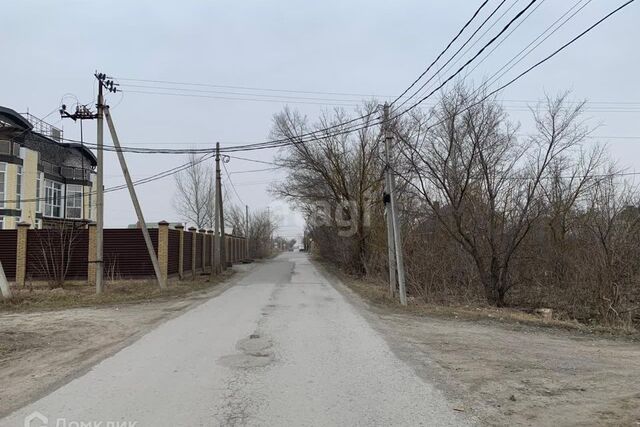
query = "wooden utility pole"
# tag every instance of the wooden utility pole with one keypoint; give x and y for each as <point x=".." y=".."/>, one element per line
<point x="223" y="248"/>
<point x="397" y="239"/>
<point x="100" y="191"/>
<point x="134" y="199"/>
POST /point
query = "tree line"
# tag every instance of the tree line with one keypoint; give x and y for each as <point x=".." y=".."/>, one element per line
<point x="489" y="215"/>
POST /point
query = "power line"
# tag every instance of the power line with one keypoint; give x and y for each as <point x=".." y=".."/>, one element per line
<point x="489" y="43"/>
<point x="253" y="160"/>
<point x="253" y="88"/>
<point x="527" y="71"/>
<point x="512" y="81"/>
<point x="538" y="44"/>
<point x="473" y="17"/>
<point x="350" y="126"/>
<point x="255" y="170"/>
<point x="279" y="143"/>
<point x="155" y="177"/>
<point x="231" y="182"/>
<point x="271" y="96"/>
<point x="503" y="40"/>
<point x="460" y="48"/>
<point x="228" y="98"/>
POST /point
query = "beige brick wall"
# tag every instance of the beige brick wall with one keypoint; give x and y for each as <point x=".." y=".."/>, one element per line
<point x="21" y="254"/>
<point x="29" y="184"/>
<point x="163" y="248"/>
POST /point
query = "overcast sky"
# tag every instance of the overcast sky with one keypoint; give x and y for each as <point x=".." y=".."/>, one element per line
<point x="51" y="49"/>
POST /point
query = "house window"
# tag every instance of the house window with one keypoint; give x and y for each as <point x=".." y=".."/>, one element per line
<point x="3" y="181"/>
<point x="19" y="187"/>
<point x="74" y="201"/>
<point x="39" y="192"/>
<point x="38" y="224"/>
<point x="53" y="199"/>
<point x="1" y="223"/>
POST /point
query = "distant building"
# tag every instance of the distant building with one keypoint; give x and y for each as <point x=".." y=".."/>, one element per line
<point x="43" y="180"/>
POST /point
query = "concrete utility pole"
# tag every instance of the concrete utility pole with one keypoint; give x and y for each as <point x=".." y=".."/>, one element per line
<point x="220" y="210"/>
<point x="390" y="237"/>
<point x="100" y="190"/>
<point x="246" y="233"/>
<point x="216" y="217"/>
<point x="5" y="291"/>
<point x="83" y="113"/>
<point x="397" y="239"/>
<point x="134" y="199"/>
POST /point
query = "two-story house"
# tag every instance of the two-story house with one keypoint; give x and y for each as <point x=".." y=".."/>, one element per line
<point x="43" y="181"/>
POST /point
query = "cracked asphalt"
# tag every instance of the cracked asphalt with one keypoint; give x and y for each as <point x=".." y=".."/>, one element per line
<point x="280" y="348"/>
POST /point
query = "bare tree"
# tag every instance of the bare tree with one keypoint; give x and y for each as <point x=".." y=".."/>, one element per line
<point x="612" y="222"/>
<point x="195" y="195"/>
<point x="483" y="184"/>
<point x="262" y="225"/>
<point x="57" y="248"/>
<point x="487" y="214"/>
<point x="332" y="178"/>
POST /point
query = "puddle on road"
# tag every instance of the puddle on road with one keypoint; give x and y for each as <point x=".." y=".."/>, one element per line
<point x="254" y="346"/>
<point x="245" y="361"/>
<point x="254" y="350"/>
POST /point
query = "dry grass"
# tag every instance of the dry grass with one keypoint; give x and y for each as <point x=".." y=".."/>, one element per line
<point x="79" y="294"/>
<point x="376" y="293"/>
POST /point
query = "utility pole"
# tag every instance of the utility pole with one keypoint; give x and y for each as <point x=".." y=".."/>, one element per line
<point x="134" y="199"/>
<point x="270" y="229"/>
<point x="223" y="250"/>
<point x="246" y="227"/>
<point x="100" y="189"/>
<point x="390" y="238"/>
<point x="83" y="113"/>
<point x="397" y="239"/>
<point x="216" y="217"/>
<point x="5" y="291"/>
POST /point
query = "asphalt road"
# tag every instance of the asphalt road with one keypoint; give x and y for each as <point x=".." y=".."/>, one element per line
<point x="281" y="348"/>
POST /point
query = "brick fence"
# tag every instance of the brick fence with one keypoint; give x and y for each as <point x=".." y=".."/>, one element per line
<point x="180" y="253"/>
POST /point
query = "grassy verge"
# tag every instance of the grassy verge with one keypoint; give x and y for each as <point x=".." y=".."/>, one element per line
<point x="377" y="294"/>
<point x="80" y="294"/>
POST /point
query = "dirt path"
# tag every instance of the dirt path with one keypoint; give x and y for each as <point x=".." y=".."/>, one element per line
<point x="513" y="374"/>
<point x="42" y="350"/>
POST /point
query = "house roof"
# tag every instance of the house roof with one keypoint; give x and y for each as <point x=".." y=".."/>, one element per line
<point x="18" y="124"/>
<point x="83" y="149"/>
<point x="13" y="118"/>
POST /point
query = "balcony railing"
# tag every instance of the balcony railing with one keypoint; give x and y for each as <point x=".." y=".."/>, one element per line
<point x="44" y="128"/>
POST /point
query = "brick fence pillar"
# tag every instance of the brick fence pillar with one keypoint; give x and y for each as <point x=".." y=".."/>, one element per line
<point x="21" y="253"/>
<point x="235" y="250"/>
<point x="211" y="249"/>
<point x="203" y="255"/>
<point x="227" y="254"/>
<point x="163" y="248"/>
<point x="192" y="230"/>
<point x="92" y="255"/>
<point x="180" y="228"/>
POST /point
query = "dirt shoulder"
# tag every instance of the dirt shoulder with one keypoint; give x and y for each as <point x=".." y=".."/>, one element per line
<point x="42" y="349"/>
<point x="511" y="372"/>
